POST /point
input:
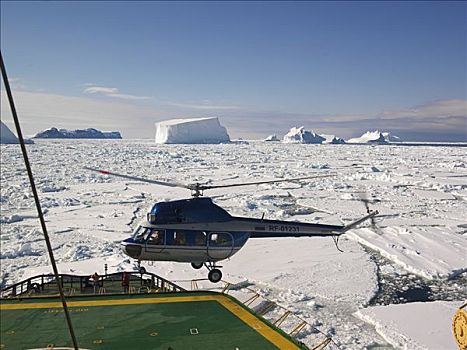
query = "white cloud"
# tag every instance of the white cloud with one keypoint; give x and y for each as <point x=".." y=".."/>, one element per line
<point x="111" y="92"/>
<point x="441" y="108"/>
<point x="204" y="105"/>
<point x="16" y="83"/>
<point x="38" y="111"/>
<point x="440" y="120"/>
<point x="100" y="90"/>
<point x="129" y="97"/>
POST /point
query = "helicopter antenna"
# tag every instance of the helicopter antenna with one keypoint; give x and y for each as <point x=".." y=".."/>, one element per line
<point x="336" y="242"/>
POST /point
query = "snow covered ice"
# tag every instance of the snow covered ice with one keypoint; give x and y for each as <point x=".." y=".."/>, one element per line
<point x="421" y="193"/>
<point x="195" y="130"/>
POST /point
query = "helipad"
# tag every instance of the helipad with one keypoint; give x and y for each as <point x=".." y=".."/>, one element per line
<point x="186" y="320"/>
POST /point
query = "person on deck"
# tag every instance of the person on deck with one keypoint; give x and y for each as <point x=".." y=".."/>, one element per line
<point x="125" y="282"/>
<point x="95" y="281"/>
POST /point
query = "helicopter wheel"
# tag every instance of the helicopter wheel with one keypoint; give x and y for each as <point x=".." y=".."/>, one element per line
<point x="196" y="266"/>
<point x="142" y="270"/>
<point x="215" y="275"/>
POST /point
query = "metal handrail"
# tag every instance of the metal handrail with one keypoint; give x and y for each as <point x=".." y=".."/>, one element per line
<point x="38" y="283"/>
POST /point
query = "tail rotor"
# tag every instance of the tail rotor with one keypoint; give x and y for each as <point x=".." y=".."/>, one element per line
<point x="363" y="197"/>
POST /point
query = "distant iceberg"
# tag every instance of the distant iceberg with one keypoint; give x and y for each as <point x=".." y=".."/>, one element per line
<point x="54" y="133"/>
<point x="300" y="135"/>
<point x="191" y="131"/>
<point x="375" y="137"/>
<point x="7" y="136"/>
<point x="391" y="138"/>
<point x="332" y="139"/>
<point x="271" y="138"/>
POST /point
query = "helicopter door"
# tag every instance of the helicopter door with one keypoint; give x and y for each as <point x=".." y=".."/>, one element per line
<point x="220" y="245"/>
<point x="156" y="241"/>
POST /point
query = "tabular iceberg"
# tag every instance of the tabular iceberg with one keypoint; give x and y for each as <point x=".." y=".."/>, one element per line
<point x="90" y="133"/>
<point x="197" y="130"/>
<point x="6" y="136"/>
<point x="300" y="135"/>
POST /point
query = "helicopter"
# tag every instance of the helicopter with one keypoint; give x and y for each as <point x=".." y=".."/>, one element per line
<point x="198" y="231"/>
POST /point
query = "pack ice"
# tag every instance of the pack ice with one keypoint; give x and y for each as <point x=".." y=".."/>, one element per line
<point x="196" y="130"/>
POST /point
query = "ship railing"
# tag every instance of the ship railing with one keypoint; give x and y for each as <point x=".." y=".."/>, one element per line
<point x="83" y="284"/>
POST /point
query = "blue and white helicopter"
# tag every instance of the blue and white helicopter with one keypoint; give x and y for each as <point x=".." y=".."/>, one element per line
<point x="199" y="232"/>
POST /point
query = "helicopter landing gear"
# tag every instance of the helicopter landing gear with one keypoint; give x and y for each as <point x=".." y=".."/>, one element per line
<point x="196" y="266"/>
<point x="141" y="269"/>
<point x="214" y="275"/>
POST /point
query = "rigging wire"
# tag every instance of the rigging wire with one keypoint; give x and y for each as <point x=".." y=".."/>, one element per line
<point x="36" y="199"/>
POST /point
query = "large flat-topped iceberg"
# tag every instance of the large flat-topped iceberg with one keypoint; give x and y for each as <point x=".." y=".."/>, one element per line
<point x="300" y="135"/>
<point x="7" y="136"/>
<point x="196" y="130"/>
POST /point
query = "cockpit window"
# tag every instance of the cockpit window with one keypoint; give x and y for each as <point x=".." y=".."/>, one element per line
<point x="157" y="237"/>
<point x="141" y="233"/>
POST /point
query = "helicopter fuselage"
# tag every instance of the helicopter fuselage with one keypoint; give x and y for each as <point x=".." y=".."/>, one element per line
<point x="198" y="231"/>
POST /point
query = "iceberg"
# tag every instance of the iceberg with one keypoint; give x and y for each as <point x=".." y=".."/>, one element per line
<point x="90" y="133"/>
<point x="333" y="139"/>
<point x="391" y="138"/>
<point x="271" y="138"/>
<point x="376" y="137"/>
<point x="7" y="136"/>
<point x="191" y="131"/>
<point x="300" y="135"/>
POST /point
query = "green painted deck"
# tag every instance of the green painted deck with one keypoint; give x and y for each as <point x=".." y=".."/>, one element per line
<point x="189" y="320"/>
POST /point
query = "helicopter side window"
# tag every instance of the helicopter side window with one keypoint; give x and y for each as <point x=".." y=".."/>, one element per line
<point x="220" y="239"/>
<point x="200" y="238"/>
<point x="179" y="238"/>
<point x="175" y="237"/>
<point x="156" y="237"/>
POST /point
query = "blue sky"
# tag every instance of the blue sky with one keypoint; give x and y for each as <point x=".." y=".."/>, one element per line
<point x="263" y="67"/>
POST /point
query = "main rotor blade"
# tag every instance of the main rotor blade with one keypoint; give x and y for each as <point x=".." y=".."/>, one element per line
<point x="129" y="177"/>
<point x="208" y="187"/>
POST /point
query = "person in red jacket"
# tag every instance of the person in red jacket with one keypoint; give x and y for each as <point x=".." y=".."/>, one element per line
<point x="125" y="282"/>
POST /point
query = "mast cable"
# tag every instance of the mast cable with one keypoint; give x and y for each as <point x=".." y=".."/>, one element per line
<point x="36" y="199"/>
